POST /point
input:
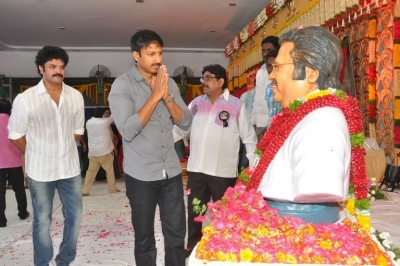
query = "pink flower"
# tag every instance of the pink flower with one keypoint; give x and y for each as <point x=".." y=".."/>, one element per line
<point x="200" y="218"/>
<point x="189" y="190"/>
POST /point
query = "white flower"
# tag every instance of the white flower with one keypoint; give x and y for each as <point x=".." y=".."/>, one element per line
<point x="373" y="192"/>
<point x="386" y="243"/>
<point x="373" y="179"/>
<point x="391" y="254"/>
<point x="372" y="199"/>
<point x="369" y="195"/>
<point x="372" y="230"/>
<point x="384" y="235"/>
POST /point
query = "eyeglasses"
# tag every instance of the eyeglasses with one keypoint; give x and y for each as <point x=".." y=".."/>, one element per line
<point x="276" y="66"/>
<point x="207" y="78"/>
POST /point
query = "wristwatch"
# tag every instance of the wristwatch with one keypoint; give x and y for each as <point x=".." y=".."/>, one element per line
<point x="171" y="99"/>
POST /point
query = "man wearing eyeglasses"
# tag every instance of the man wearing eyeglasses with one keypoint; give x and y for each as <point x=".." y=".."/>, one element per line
<point x="273" y="106"/>
<point x="259" y="116"/>
<point x="220" y="121"/>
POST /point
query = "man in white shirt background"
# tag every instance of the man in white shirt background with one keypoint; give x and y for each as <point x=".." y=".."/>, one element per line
<point x="45" y="122"/>
<point x="101" y="150"/>
<point x="259" y="116"/>
<point x="220" y="121"/>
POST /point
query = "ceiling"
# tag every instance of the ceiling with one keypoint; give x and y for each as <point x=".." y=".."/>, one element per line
<point x="107" y="25"/>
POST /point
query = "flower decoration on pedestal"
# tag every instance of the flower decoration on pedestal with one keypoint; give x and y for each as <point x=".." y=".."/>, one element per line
<point x="244" y="228"/>
<point x="282" y="125"/>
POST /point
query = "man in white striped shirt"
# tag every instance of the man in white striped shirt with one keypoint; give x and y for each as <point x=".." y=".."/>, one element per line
<point x="44" y="124"/>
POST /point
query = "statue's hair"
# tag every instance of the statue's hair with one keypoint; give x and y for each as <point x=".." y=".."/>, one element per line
<point x="316" y="48"/>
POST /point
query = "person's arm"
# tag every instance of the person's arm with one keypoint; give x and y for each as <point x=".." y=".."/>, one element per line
<point x="20" y="144"/>
<point x="177" y="108"/>
<point x="129" y="121"/>
<point x="18" y="123"/>
<point x="247" y="134"/>
<point x="82" y="141"/>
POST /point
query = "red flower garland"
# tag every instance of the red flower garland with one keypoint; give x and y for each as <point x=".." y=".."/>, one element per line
<point x="283" y="124"/>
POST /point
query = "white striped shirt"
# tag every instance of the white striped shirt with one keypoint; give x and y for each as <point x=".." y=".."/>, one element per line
<point x="51" y="152"/>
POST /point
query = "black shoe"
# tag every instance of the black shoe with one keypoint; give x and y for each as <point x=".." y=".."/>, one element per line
<point x="23" y="217"/>
<point x="3" y="224"/>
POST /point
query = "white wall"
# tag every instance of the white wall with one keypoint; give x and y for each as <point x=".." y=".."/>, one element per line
<point x="21" y="63"/>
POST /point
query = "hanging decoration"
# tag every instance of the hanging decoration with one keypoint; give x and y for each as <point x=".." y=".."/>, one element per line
<point x="372" y="26"/>
<point x="396" y="65"/>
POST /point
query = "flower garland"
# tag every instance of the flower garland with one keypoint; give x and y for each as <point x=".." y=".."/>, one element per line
<point x="372" y="27"/>
<point x="282" y="125"/>
<point x="396" y="64"/>
<point x="248" y="31"/>
<point x="244" y="228"/>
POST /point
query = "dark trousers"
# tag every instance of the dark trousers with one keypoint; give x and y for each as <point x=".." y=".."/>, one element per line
<point x="203" y="187"/>
<point x="144" y="197"/>
<point x="15" y="176"/>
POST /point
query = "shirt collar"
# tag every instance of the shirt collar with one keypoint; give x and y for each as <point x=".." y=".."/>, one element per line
<point x="136" y="74"/>
<point x="42" y="89"/>
<point x="225" y="94"/>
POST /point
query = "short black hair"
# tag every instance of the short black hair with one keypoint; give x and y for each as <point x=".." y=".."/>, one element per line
<point x="48" y="53"/>
<point x="98" y="112"/>
<point x="219" y="72"/>
<point x="273" y="53"/>
<point x="273" y="40"/>
<point x="5" y="107"/>
<point x="144" y="38"/>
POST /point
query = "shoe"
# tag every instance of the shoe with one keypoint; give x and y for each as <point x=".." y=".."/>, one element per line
<point x="84" y="195"/>
<point x="23" y="217"/>
<point x="3" y="224"/>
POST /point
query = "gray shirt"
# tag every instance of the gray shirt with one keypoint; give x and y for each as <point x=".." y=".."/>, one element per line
<point x="148" y="151"/>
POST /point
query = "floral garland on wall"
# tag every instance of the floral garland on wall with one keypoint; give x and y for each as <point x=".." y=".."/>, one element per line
<point x="372" y="27"/>
<point x="396" y="65"/>
<point x="254" y="25"/>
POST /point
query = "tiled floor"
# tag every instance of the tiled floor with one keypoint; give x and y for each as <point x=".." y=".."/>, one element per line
<point x="106" y="236"/>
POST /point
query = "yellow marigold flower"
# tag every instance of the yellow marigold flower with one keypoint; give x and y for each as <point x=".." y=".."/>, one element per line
<point x="371" y="92"/>
<point x="365" y="221"/>
<point x="372" y="28"/>
<point x="246" y="255"/>
<point x="291" y="259"/>
<point x="317" y="94"/>
<point x="318" y="259"/>
<point x="326" y="244"/>
<point x="350" y="206"/>
<point x="381" y="260"/>
<point x="397" y="109"/>
<point x="396" y="55"/>
<point x="281" y="257"/>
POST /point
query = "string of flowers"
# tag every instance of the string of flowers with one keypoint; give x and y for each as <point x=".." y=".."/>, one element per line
<point x="396" y="64"/>
<point x="248" y="31"/>
<point x="372" y="110"/>
<point x="283" y="123"/>
<point x="244" y="228"/>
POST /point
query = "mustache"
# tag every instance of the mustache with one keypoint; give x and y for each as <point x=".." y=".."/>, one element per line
<point x="55" y="75"/>
<point x="204" y="86"/>
<point x="156" y="64"/>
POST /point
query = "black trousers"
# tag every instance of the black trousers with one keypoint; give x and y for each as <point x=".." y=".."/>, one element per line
<point x="144" y="197"/>
<point x="15" y="176"/>
<point x="203" y="187"/>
